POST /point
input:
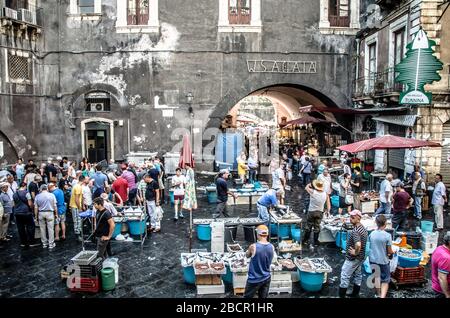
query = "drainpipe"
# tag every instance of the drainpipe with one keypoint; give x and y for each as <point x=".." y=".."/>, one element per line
<point x="129" y="136"/>
<point x="358" y="42"/>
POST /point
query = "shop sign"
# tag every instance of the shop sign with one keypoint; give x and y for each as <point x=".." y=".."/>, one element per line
<point x="418" y="68"/>
<point x="286" y="67"/>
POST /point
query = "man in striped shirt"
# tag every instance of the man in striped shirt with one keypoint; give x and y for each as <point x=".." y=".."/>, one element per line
<point x="354" y="257"/>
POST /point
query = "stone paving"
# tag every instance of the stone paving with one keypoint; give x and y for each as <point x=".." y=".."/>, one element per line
<point x="154" y="270"/>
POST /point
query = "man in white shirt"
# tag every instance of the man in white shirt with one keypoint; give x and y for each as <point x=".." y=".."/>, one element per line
<point x="386" y="193"/>
<point x="279" y="181"/>
<point x="438" y="201"/>
<point x="12" y="186"/>
<point x="178" y="182"/>
<point x="87" y="193"/>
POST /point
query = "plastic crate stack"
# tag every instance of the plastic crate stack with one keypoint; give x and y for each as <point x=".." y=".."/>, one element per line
<point x="89" y="280"/>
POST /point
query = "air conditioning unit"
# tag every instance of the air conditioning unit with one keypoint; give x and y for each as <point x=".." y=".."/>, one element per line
<point x="97" y="107"/>
<point x="9" y="13"/>
<point x="27" y="16"/>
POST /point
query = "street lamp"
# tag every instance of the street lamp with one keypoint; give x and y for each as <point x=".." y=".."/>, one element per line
<point x="190" y="100"/>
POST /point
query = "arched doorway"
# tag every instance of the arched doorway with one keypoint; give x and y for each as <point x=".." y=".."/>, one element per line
<point x="97" y="139"/>
<point x="261" y="112"/>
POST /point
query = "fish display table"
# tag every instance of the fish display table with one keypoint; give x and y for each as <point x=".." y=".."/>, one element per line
<point x="287" y="217"/>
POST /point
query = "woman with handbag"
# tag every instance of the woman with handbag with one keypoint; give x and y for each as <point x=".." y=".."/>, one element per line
<point x="345" y="196"/>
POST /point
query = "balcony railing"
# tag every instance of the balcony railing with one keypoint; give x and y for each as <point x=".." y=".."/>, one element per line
<point x="22" y="11"/>
<point x="380" y="83"/>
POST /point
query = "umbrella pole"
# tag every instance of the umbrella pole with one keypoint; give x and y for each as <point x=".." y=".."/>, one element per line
<point x="190" y="230"/>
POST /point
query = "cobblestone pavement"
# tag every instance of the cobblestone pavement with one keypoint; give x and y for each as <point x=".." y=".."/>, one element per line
<point x="154" y="270"/>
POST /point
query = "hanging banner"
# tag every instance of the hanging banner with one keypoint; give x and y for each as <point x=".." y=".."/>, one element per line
<point x="417" y="68"/>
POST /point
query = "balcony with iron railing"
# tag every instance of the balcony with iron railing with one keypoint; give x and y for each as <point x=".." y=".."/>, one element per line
<point x="377" y="84"/>
<point x="21" y="11"/>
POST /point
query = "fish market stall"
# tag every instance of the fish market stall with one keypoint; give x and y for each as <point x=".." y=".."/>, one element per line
<point x="369" y="201"/>
<point x="283" y="218"/>
<point x="231" y="227"/>
<point x="135" y="219"/>
<point x="246" y="195"/>
<point x="334" y="228"/>
<point x="312" y="272"/>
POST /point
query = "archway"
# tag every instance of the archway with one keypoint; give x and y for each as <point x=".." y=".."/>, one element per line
<point x="286" y="101"/>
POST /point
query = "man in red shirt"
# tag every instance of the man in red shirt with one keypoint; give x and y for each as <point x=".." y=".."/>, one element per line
<point x="120" y="186"/>
<point x="401" y="203"/>
<point x="440" y="269"/>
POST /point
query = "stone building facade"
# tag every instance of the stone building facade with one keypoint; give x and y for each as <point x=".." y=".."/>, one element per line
<point x="386" y="31"/>
<point x="115" y="74"/>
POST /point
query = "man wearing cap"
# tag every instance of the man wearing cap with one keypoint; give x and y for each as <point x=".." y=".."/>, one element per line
<point x="261" y="254"/>
<point x="354" y="256"/>
<point x="317" y="200"/>
<point x="440" y="269"/>
<point x="222" y="194"/>
<point x="267" y="200"/>
<point x="7" y="204"/>
<point x="401" y="202"/>
<point x="45" y="210"/>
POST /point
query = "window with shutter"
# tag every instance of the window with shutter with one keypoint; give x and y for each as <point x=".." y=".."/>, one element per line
<point x="86" y="6"/>
<point x="137" y="12"/>
<point x="239" y="11"/>
<point x="339" y="13"/>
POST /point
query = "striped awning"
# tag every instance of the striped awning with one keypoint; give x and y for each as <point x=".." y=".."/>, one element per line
<point x="401" y="120"/>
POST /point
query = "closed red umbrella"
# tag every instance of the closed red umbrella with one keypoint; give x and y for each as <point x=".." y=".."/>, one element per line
<point x="186" y="153"/>
<point x="387" y="142"/>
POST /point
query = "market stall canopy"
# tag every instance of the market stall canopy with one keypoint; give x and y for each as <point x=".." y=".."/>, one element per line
<point x="387" y="142"/>
<point x="186" y="153"/>
<point x="305" y="120"/>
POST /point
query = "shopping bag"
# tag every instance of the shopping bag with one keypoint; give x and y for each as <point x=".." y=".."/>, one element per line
<point x="159" y="213"/>
<point x="366" y="267"/>
<point x="393" y="263"/>
<point x="289" y="175"/>
<point x="349" y="199"/>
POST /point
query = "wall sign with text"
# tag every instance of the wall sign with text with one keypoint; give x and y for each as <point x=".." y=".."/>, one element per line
<point x="287" y="67"/>
<point x="417" y="68"/>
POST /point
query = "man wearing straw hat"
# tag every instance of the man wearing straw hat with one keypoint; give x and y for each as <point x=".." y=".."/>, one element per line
<point x="259" y="275"/>
<point x="317" y="200"/>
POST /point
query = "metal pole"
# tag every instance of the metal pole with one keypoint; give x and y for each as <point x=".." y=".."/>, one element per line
<point x="190" y="230"/>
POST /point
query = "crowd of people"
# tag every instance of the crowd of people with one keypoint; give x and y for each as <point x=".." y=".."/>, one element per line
<point x="45" y="195"/>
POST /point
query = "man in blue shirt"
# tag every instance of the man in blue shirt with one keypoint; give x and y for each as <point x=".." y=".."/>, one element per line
<point x="261" y="254"/>
<point x="100" y="182"/>
<point x="268" y="200"/>
<point x="61" y="206"/>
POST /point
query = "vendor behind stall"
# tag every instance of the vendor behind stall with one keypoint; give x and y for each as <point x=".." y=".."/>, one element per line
<point x="259" y="275"/>
<point x="267" y="200"/>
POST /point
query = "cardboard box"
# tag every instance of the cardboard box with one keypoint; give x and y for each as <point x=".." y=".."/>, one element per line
<point x="208" y="280"/>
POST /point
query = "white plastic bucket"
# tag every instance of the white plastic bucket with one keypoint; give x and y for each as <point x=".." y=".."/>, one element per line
<point x="113" y="262"/>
